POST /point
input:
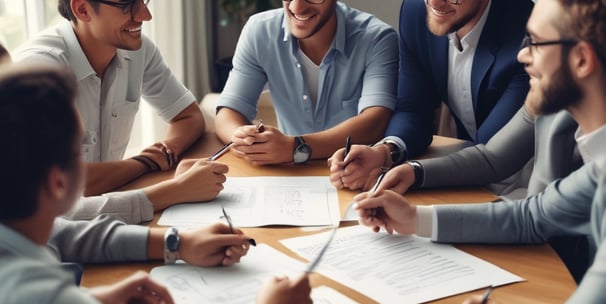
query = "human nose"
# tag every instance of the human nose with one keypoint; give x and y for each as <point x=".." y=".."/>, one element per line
<point x="524" y="55"/>
<point x="142" y="12"/>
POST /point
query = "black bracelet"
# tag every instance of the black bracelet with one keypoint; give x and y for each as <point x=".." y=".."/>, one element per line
<point x="419" y="172"/>
<point x="149" y="163"/>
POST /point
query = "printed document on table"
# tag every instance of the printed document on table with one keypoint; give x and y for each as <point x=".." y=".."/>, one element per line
<point x="264" y="200"/>
<point x="398" y="268"/>
<point x="239" y="283"/>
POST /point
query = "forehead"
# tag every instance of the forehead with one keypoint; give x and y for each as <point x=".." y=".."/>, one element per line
<point x="543" y="17"/>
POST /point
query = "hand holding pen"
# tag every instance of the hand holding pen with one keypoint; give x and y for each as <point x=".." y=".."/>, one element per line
<point x="231" y="225"/>
<point x="260" y="128"/>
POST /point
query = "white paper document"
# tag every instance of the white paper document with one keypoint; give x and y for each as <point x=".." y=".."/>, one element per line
<point x="239" y="283"/>
<point x="264" y="200"/>
<point x="397" y="268"/>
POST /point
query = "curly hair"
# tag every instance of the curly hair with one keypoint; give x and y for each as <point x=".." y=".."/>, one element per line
<point x="585" y="20"/>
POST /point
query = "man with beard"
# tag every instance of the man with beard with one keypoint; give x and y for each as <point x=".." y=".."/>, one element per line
<point x="460" y="52"/>
<point x="331" y="72"/>
<point x="116" y="65"/>
<point x="564" y="54"/>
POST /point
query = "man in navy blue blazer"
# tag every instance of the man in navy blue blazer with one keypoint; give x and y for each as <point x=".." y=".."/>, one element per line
<point x="461" y="52"/>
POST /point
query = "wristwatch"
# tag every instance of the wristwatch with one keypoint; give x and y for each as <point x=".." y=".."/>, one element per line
<point x="302" y="151"/>
<point x="171" y="245"/>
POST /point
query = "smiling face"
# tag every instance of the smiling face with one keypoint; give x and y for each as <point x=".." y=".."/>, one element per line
<point x="114" y="28"/>
<point x="552" y="87"/>
<point x="306" y="20"/>
<point x="444" y="17"/>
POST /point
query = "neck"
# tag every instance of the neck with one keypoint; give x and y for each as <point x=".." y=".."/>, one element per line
<point x="36" y="228"/>
<point x="465" y="29"/>
<point x="590" y="112"/>
<point x="99" y="56"/>
<point x="316" y="46"/>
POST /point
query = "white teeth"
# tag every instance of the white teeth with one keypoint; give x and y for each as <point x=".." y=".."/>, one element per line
<point x="138" y="29"/>
<point x="437" y="12"/>
<point x="301" y="18"/>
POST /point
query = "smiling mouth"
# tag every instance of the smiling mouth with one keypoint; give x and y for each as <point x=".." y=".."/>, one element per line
<point x="133" y="30"/>
<point x="440" y="13"/>
<point x="302" y="17"/>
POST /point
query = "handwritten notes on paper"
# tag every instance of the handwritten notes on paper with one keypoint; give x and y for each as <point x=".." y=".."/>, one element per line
<point x="396" y="268"/>
<point x="264" y="200"/>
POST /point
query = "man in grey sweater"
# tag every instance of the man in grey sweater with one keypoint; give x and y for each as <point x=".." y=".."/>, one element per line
<point x="565" y="57"/>
<point x="39" y="115"/>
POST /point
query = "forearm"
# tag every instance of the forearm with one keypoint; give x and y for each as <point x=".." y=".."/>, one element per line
<point x="106" y="177"/>
<point x="366" y="128"/>
<point x="155" y="244"/>
<point x="133" y="207"/>
<point x="226" y="123"/>
<point x="185" y="129"/>
<point x="163" y="195"/>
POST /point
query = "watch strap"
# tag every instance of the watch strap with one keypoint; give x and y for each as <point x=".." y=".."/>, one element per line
<point x="419" y="172"/>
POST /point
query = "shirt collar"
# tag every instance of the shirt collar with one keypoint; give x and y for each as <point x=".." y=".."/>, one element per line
<point x="591" y="144"/>
<point x="76" y="57"/>
<point x="473" y="37"/>
<point x="20" y="245"/>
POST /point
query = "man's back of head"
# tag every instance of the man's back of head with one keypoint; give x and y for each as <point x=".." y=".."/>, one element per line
<point x="38" y="125"/>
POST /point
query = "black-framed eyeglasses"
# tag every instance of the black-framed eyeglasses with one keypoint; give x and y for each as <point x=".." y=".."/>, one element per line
<point x="129" y="6"/>
<point x="455" y="2"/>
<point x="309" y="1"/>
<point x="528" y="43"/>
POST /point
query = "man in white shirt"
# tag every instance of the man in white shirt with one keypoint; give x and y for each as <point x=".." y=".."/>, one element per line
<point x="116" y="65"/>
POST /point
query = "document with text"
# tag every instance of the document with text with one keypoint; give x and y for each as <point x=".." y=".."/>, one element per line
<point x="398" y="268"/>
<point x="239" y="283"/>
<point x="262" y="201"/>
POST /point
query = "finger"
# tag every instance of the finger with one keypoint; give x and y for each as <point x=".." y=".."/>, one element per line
<point x="303" y="279"/>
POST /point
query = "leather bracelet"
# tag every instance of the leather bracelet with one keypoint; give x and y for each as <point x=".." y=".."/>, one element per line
<point x="149" y="163"/>
<point x="419" y="172"/>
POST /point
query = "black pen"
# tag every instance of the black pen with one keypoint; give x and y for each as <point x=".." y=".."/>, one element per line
<point x="347" y="147"/>
<point x="486" y="295"/>
<point x="231" y="226"/>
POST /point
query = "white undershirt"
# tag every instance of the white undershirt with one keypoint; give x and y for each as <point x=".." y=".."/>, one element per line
<point x="311" y="74"/>
<point x="460" y="61"/>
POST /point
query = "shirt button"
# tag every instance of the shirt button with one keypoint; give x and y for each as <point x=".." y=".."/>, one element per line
<point x="114" y="115"/>
<point x="298" y="65"/>
<point x="305" y="97"/>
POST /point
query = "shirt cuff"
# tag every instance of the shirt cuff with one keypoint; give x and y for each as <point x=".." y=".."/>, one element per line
<point x="401" y="147"/>
<point x="427" y="222"/>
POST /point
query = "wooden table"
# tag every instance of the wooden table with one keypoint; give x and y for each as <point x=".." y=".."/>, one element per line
<point x="548" y="280"/>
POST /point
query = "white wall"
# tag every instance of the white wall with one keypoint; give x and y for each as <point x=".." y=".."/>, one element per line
<point x="386" y="10"/>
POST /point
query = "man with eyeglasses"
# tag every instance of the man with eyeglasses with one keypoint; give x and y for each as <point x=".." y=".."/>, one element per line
<point x="116" y="66"/>
<point x="331" y="72"/>
<point x="460" y="52"/>
<point x="565" y="56"/>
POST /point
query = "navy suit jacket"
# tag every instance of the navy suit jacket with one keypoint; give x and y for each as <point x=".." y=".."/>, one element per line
<point x="498" y="81"/>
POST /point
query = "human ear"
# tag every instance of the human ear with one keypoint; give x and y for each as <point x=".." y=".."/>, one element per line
<point x="81" y="9"/>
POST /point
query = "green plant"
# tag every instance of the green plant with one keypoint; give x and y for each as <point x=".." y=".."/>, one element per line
<point x="239" y="10"/>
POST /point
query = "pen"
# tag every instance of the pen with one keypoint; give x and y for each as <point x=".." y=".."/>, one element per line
<point x="259" y="128"/>
<point x="316" y="261"/>
<point x="379" y="179"/>
<point x="347" y="147"/>
<point x="221" y="151"/>
<point x="231" y="226"/>
<point x="486" y="295"/>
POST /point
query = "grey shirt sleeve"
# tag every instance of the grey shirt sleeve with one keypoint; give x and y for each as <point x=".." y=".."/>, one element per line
<point x="563" y="208"/>
<point x="132" y="207"/>
<point x="504" y="154"/>
<point x="103" y="239"/>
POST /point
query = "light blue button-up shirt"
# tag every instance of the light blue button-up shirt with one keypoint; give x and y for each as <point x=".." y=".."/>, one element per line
<point x="359" y="71"/>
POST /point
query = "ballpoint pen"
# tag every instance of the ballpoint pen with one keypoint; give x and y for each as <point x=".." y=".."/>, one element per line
<point x="486" y="295"/>
<point x="231" y="225"/>
<point x="316" y="261"/>
<point x="259" y="128"/>
<point x="347" y="147"/>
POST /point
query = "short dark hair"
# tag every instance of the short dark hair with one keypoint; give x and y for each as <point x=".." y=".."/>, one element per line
<point x="39" y="124"/>
<point x="65" y="9"/>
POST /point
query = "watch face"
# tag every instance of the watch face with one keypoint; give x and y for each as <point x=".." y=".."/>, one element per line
<point x="302" y="153"/>
<point x="172" y="242"/>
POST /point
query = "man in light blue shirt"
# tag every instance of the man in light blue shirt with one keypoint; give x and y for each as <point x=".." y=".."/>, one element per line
<point x="331" y="72"/>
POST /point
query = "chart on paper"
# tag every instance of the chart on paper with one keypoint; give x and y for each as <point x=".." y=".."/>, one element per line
<point x="260" y="201"/>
